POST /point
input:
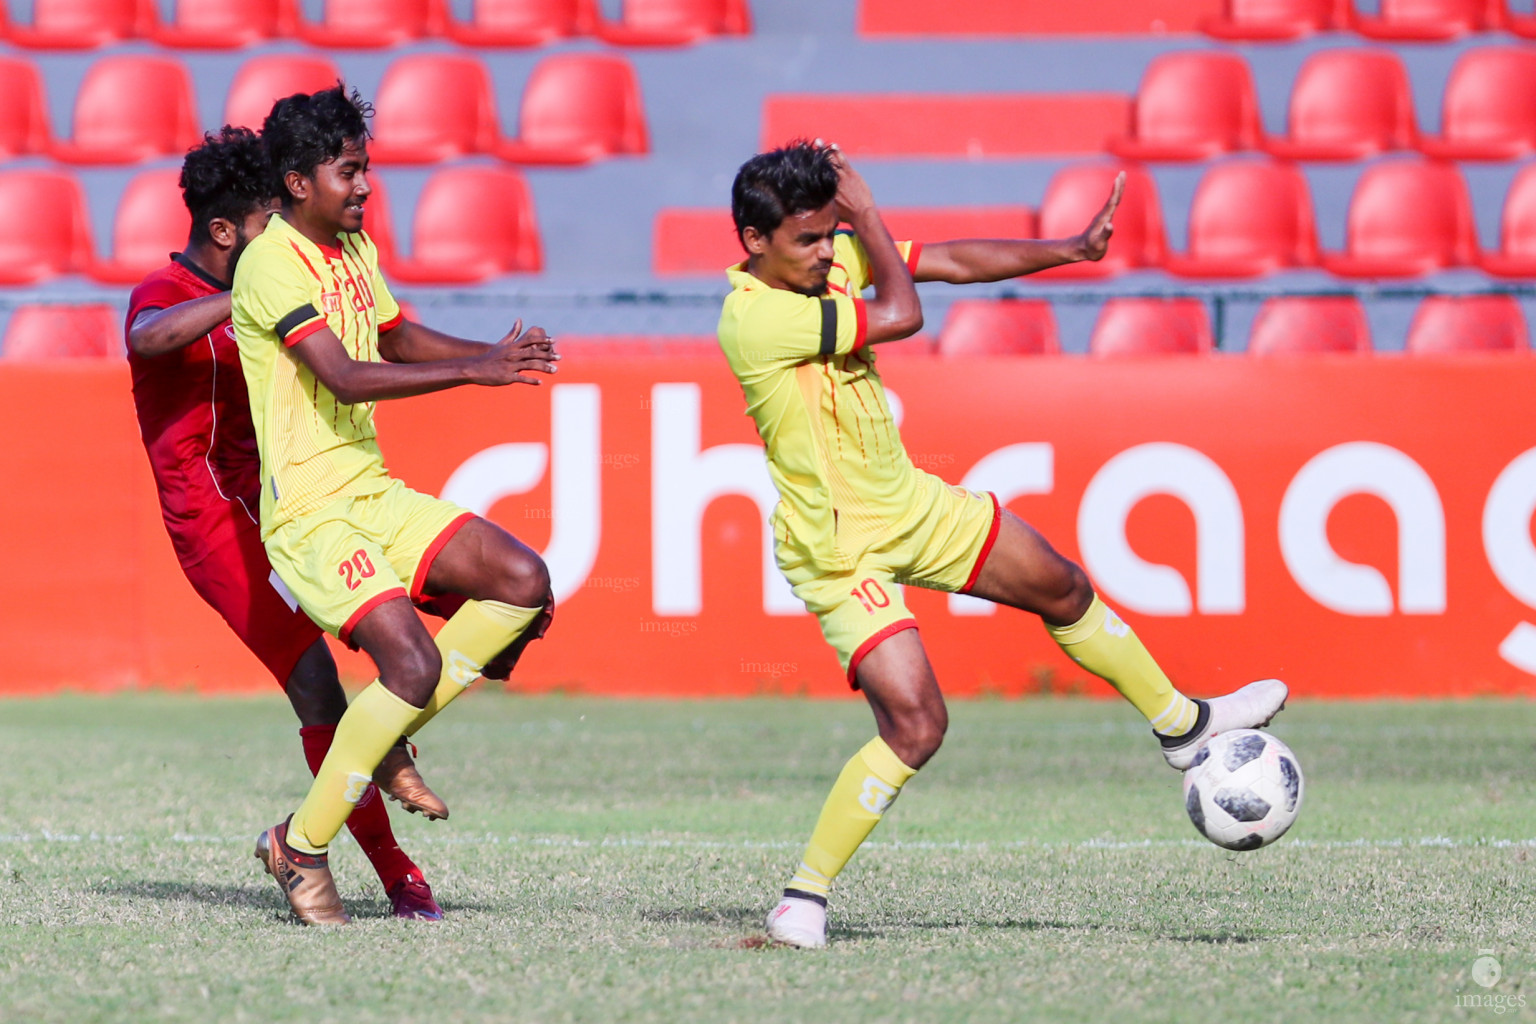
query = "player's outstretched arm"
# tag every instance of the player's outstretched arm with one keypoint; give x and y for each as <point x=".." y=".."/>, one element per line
<point x="895" y="312"/>
<point x="158" y="331"/>
<point x="411" y="342"/>
<point x="515" y="359"/>
<point x="974" y="260"/>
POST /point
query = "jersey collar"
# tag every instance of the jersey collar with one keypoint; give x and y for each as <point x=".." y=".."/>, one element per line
<point x="198" y="272"/>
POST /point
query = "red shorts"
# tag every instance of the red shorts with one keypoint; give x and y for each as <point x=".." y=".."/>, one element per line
<point x="237" y="581"/>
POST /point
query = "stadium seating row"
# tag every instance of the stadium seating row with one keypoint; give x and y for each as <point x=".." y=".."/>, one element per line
<point x="1286" y="325"/>
<point x="1249" y="217"/>
<point x="475" y="222"/>
<point x="371" y="24"/>
<point x="575" y="108"/>
<point x="1345" y="104"/>
<point x="472" y="223"/>
<point x="1249" y="20"/>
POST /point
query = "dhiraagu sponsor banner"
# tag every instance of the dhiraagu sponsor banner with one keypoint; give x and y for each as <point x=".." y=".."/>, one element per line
<point x="1359" y="526"/>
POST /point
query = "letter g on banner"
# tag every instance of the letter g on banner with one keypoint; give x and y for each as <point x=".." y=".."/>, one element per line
<point x="1507" y="542"/>
<point x="1193" y="478"/>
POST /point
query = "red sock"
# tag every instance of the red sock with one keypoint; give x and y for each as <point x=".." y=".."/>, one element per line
<point x="369" y="821"/>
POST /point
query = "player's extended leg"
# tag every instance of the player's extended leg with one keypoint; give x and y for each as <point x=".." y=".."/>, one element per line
<point x="507" y="585"/>
<point x="910" y="715"/>
<point x="317" y="698"/>
<point x="295" y="852"/>
<point x="1025" y="572"/>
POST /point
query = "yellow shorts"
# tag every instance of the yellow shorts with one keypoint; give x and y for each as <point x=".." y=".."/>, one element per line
<point x="942" y="549"/>
<point x="356" y="553"/>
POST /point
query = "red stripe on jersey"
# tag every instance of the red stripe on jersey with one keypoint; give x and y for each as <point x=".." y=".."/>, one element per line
<point x="861" y="318"/>
<point x="303" y="331"/>
<point x="912" y="255"/>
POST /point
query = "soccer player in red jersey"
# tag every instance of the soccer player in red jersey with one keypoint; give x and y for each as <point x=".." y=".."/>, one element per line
<point x="195" y="417"/>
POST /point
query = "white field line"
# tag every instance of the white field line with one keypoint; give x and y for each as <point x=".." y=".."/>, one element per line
<point x="642" y="843"/>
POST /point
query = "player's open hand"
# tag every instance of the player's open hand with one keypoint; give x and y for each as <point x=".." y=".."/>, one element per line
<point x="1094" y="242"/>
<point x="516" y="357"/>
<point x="853" y="194"/>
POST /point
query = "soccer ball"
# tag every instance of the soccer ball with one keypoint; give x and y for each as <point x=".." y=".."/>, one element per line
<point x="1244" y="789"/>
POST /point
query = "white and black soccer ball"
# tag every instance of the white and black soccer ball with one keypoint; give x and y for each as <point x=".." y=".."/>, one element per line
<point x="1244" y="789"/>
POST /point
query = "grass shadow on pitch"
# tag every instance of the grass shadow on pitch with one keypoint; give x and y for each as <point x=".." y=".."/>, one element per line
<point x="1215" y="938"/>
<point x="723" y="917"/>
<point x="243" y="896"/>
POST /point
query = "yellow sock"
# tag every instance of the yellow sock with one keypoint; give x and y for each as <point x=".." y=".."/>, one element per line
<point x="369" y="728"/>
<point x="1103" y="644"/>
<point x="475" y="634"/>
<point x="861" y="795"/>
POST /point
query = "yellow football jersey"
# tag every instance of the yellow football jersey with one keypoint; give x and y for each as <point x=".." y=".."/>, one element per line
<point x="314" y="448"/>
<point x="811" y="387"/>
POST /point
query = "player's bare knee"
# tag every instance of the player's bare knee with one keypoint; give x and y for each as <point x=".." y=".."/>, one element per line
<point x="525" y="579"/>
<point x="412" y="672"/>
<point x="919" y="735"/>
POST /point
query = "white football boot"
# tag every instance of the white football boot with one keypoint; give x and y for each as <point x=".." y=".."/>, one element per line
<point x="799" y="922"/>
<point x="1250" y="707"/>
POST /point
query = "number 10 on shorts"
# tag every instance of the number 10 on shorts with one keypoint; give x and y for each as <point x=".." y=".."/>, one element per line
<point x="870" y="594"/>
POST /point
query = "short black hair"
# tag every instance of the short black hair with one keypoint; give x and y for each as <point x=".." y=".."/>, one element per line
<point x="793" y="179"/>
<point x="306" y="130"/>
<point x="224" y="177"/>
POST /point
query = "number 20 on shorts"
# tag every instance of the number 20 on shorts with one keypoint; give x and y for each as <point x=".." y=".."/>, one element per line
<point x="356" y="569"/>
<point x="870" y="594"/>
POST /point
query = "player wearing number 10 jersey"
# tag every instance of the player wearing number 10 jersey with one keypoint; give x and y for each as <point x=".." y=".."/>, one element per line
<point x="856" y="519"/>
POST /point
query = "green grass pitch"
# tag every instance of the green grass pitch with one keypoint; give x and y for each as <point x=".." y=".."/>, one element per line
<point x="613" y="861"/>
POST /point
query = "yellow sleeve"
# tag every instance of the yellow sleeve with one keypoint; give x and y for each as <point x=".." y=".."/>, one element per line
<point x="275" y="294"/>
<point x="787" y="327"/>
<point x="848" y="250"/>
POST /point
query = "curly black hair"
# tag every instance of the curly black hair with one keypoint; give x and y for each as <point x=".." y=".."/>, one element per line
<point x="224" y="177"/>
<point x="306" y="130"/>
<point x="793" y="179"/>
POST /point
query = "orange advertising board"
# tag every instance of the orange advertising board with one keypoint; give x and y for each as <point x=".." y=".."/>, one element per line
<point x="1358" y="526"/>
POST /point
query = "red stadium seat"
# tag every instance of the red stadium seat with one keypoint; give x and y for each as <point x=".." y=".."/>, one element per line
<point x="1151" y="327"/>
<point x="1077" y="192"/>
<point x="39" y="332"/>
<point x="227" y="24"/>
<point x="1265" y="20"/>
<point x="1305" y="325"/>
<point x="675" y="22"/>
<point x="1004" y="327"/>
<point x="129" y="109"/>
<point x="374" y="24"/>
<point x="1406" y="217"/>
<point x="1348" y="104"/>
<point x="472" y="223"/>
<point x="262" y="81"/>
<point x="1468" y="323"/>
<point x="151" y="223"/>
<point x="523" y="22"/>
<point x="577" y="108"/>
<point x="1516" y="256"/>
<point x="1248" y="218"/>
<point x="23" y="113"/>
<point x="1192" y="106"/>
<point x="1489" y="110"/>
<point x="432" y="107"/>
<point x="83" y="24"/>
<point x="45" y="231"/>
<point x="1427" y="20"/>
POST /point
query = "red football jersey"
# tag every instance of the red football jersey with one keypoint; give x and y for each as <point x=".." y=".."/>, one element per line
<point x="195" y="418"/>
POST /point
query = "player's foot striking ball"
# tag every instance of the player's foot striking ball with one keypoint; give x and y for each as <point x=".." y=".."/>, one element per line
<point x="1244" y="789"/>
<point x="1251" y="707"/>
<point x="856" y="519"/>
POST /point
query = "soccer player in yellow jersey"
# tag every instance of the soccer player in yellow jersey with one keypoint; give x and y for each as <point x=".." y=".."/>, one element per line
<point x="856" y="519"/>
<point x="321" y="340"/>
